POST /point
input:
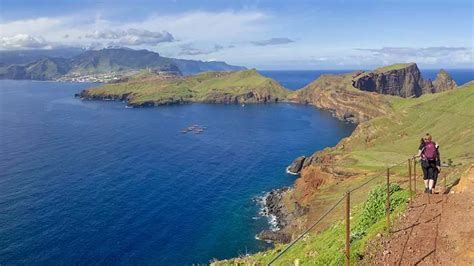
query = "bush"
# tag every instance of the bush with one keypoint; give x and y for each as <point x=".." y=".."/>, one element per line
<point x="374" y="208"/>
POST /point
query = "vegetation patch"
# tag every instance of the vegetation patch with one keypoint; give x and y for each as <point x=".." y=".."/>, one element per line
<point x="327" y="247"/>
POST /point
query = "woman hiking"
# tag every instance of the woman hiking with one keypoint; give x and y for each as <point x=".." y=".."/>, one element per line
<point x="430" y="162"/>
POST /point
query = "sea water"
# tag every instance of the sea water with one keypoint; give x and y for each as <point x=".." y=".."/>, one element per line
<point x="84" y="182"/>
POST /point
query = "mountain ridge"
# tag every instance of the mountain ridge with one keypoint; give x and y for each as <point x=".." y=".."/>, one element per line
<point x="118" y="61"/>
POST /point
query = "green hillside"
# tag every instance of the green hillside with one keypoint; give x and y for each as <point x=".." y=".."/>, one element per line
<point x="373" y="146"/>
<point x="448" y="116"/>
<point x="245" y="86"/>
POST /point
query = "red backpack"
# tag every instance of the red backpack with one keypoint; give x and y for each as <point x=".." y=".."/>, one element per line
<point x="429" y="151"/>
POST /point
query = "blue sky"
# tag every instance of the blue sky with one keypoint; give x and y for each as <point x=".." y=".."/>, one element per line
<point x="263" y="34"/>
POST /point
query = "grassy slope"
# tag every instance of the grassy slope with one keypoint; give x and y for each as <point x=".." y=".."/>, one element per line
<point x="376" y="144"/>
<point x="198" y="88"/>
<point x="336" y="94"/>
<point x="448" y="116"/>
<point x="392" y="67"/>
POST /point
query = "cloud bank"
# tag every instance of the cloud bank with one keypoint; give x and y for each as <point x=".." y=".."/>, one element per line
<point x="23" y="41"/>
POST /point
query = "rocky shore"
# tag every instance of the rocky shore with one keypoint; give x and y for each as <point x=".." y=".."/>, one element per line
<point x="278" y="214"/>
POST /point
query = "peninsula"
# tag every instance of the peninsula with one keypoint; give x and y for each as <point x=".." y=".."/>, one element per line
<point x="390" y="104"/>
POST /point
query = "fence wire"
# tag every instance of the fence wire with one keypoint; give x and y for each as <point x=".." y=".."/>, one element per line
<point x="373" y="177"/>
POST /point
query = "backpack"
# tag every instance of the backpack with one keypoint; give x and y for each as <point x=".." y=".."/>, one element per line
<point x="429" y="151"/>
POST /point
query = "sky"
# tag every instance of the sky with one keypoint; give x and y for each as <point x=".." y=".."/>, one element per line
<point x="273" y="34"/>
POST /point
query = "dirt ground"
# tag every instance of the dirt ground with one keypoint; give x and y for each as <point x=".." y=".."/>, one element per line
<point x="436" y="229"/>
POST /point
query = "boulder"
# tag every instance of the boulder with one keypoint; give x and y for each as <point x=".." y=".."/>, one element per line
<point x="296" y="165"/>
<point x="274" y="236"/>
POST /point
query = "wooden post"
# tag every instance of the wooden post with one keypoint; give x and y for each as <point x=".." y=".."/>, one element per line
<point x="445" y="186"/>
<point x="409" y="179"/>
<point x="414" y="175"/>
<point x="387" y="204"/>
<point x="348" y="227"/>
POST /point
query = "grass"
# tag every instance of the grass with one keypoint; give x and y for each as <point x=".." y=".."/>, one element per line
<point x="392" y="67"/>
<point x="447" y="116"/>
<point x="373" y="146"/>
<point x="386" y="69"/>
<point x="204" y="87"/>
<point x="327" y="247"/>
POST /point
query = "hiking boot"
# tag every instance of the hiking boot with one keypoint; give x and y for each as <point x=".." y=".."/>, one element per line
<point x="427" y="190"/>
<point x="430" y="191"/>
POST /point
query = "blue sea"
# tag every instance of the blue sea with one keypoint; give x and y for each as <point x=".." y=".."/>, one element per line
<point x="84" y="182"/>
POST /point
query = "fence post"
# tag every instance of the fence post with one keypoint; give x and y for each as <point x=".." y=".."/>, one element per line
<point x="409" y="179"/>
<point x="445" y="186"/>
<point x="414" y="175"/>
<point x="387" y="204"/>
<point x="348" y="228"/>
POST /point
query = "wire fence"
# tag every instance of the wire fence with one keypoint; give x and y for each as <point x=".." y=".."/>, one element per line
<point x="390" y="174"/>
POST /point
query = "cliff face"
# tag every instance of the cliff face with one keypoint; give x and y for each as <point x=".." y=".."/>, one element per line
<point x="443" y="82"/>
<point x="402" y="80"/>
<point x="336" y="94"/>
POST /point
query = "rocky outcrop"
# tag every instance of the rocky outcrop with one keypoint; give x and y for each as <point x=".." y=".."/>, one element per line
<point x="443" y="82"/>
<point x="249" y="97"/>
<point x="274" y="206"/>
<point x="402" y="80"/>
<point x="295" y="167"/>
<point x="274" y="236"/>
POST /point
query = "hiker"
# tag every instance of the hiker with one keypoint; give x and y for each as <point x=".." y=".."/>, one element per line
<point x="430" y="162"/>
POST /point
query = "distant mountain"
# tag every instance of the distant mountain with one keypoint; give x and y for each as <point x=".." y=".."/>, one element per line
<point x="190" y="67"/>
<point x="18" y="57"/>
<point x="48" y="66"/>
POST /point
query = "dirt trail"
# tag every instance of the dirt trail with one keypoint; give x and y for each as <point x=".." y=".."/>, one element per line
<point x="436" y="229"/>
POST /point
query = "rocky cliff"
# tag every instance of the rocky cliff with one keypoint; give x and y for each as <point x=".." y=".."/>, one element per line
<point x="443" y="82"/>
<point x="402" y="80"/>
<point x="336" y="94"/>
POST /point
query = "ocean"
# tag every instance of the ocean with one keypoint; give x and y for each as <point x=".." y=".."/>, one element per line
<point x="89" y="182"/>
<point x="85" y="182"/>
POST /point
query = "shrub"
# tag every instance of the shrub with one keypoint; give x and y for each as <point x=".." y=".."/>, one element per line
<point x="374" y="207"/>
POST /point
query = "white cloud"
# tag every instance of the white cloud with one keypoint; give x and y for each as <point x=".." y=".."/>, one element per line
<point x="23" y="41"/>
<point x="189" y="49"/>
<point x="203" y="28"/>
